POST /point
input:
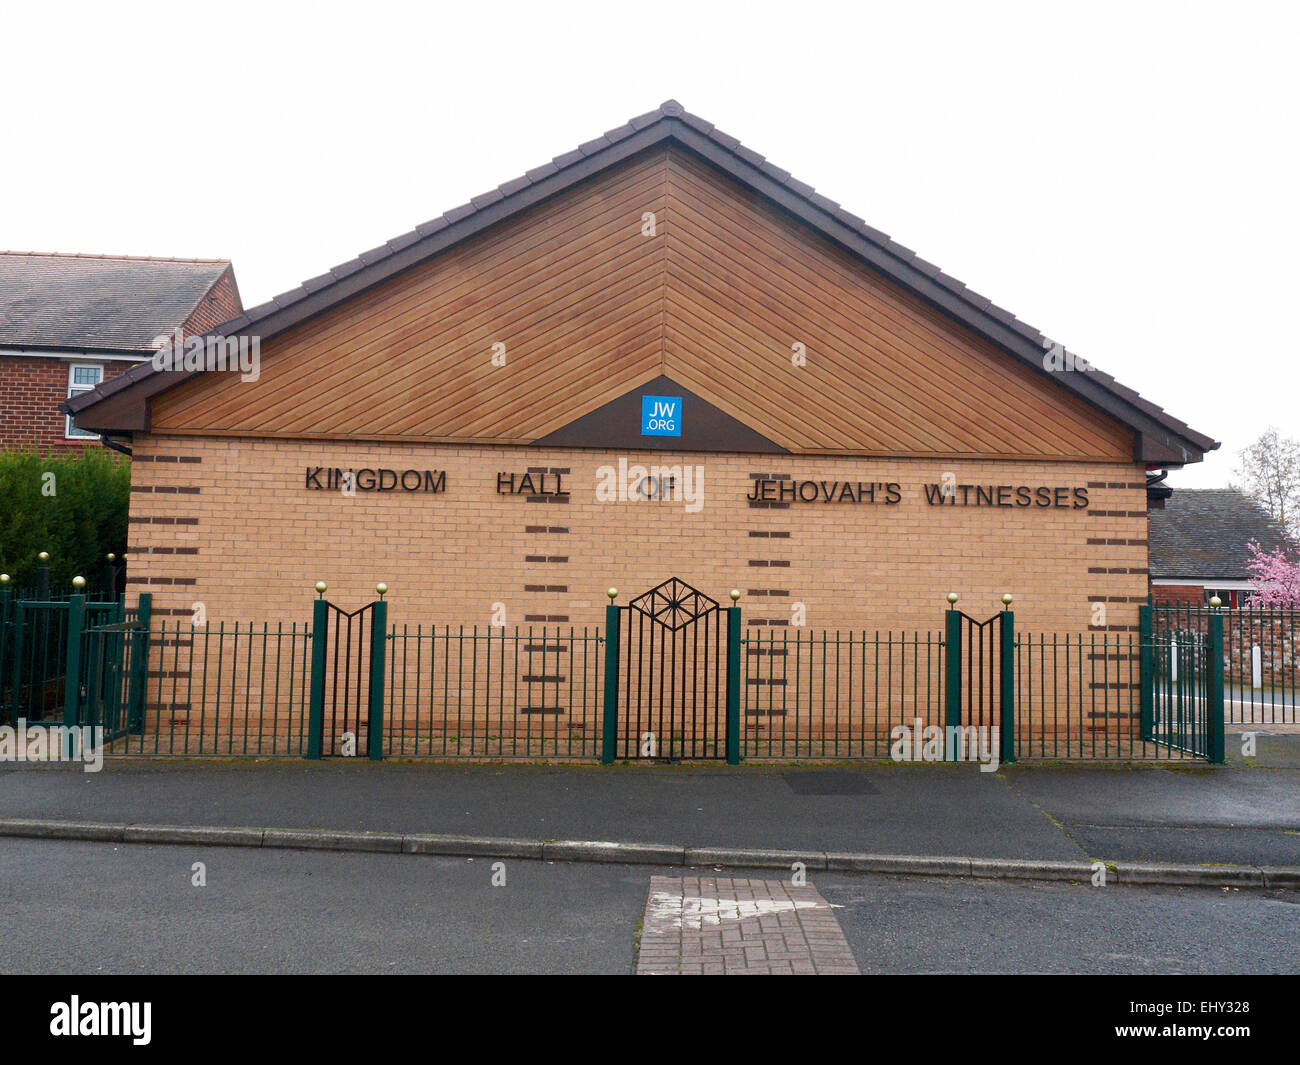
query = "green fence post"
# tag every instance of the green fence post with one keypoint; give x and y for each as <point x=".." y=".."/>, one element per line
<point x="378" y="638"/>
<point x="316" y="705"/>
<point x="72" y="674"/>
<point x="6" y="627"/>
<point x="609" y="724"/>
<point x="1007" y="732"/>
<point x="1146" y="673"/>
<point x="16" y="670"/>
<point x="733" y="681"/>
<point x="139" y="665"/>
<point x="43" y="578"/>
<point x="1215" y="692"/>
<point x="952" y="675"/>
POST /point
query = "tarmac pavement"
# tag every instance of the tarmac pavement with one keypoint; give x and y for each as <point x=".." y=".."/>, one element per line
<point x="1243" y="813"/>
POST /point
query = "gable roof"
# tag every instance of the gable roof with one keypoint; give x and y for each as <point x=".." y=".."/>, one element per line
<point x="1202" y="533"/>
<point x="108" y="303"/>
<point x="1162" y="439"/>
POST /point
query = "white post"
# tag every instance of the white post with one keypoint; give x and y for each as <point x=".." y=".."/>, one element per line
<point x="1255" y="671"/>
<point x="1173" y="658"/>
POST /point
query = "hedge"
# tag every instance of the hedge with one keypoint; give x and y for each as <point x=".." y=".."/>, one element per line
<point x="78" y="514"/>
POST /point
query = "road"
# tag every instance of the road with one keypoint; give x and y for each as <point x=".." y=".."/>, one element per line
<point x="68" y="907"/>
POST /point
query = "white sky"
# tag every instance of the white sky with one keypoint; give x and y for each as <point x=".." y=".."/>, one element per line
<point x="1121" y="176"/>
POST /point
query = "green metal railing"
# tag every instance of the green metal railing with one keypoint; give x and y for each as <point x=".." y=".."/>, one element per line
<point x="230" y="689"/>
<point x="35" y="644"/>
<point x="1099" y="696"/>
<point x="1261" y="657"/>
<point x="832" y="695"/>
<point x="168" y="687"/>
<point x="474" y="692"/>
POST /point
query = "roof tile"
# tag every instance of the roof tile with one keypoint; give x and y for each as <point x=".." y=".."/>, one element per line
<point x="320" y="281"/>
<point x="799" y="187"/>
<point x="540" y="173"/>
<point x="457" y="213"/>
<point x="98" y="302"/>
<point x="648" y="119"/>
<point x="434" y="225"/>
<point x="1204" y="533"/>
<point x="404" y="241"/>
<point x="593" y="146"/>
<point x="824" y="202"/>
<point x="486" y="199"/>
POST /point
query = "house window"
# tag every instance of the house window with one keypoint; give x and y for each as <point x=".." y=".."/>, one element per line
<point x="82" y="377"/>
<point x="1230" y="597"/>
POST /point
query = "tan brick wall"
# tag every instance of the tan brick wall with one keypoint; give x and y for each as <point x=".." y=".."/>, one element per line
<point x="228" y="522"/>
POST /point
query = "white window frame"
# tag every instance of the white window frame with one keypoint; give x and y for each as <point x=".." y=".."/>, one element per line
<point x="70" y="432"/>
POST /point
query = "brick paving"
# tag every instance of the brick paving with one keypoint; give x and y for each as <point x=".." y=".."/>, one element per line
<point x="703" y="925"/>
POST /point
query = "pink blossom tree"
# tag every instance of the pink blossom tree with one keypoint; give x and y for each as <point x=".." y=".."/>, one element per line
<point x="1278" y="575"/>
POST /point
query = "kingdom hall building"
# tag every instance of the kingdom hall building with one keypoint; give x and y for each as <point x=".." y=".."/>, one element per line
<point x="658" y="355"/>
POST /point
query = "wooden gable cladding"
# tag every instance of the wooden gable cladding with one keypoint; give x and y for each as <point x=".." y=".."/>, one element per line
<point x="589" y="307"/>
<point x="572" y="289"/>
<point x="884" y="373"/>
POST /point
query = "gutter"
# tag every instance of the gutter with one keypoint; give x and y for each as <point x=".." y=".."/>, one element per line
<point x="112" y="445"/>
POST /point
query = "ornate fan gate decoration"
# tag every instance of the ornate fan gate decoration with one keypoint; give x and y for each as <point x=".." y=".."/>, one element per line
<point x="673" y="660"/>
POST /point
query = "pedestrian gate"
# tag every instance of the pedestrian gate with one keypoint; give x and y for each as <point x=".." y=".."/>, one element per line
<point x="348" y="684"/>
<point x="672" y="675"/>
<point x="1181" y="678"/>
<point x="981" y="681"/>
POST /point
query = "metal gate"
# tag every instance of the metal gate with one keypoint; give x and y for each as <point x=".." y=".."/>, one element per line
<point x="112" y="670"/>
<point x="1176" y="694"/>
<point x="673" y="675"/>
<point x="346" y="713"/>
<point x="34" y="642"/>
<point x="981" y="661"/>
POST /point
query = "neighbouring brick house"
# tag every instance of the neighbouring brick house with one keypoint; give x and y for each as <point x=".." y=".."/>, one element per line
<point x="71" y="322"/>
<point x="1199" y="549"/>
<point x="1199" y="545"/>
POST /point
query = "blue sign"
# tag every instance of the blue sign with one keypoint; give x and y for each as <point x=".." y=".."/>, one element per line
<point x="661" y="415"/>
